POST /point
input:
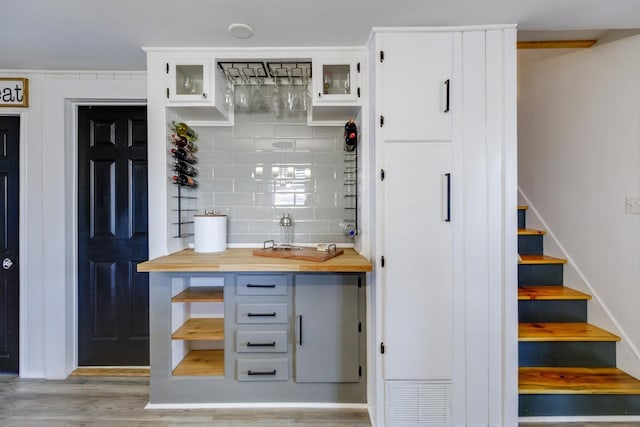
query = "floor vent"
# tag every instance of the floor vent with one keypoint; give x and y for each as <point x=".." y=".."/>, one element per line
<point x="419" y="403"/>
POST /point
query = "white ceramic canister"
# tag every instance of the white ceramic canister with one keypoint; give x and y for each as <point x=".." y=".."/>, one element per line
<point x="210" y="233"/>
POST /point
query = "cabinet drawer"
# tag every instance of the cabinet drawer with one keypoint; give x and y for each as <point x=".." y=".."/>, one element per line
<point x="271" y="284"/>
<point x="262" y="313"/>
<point x="261" y="341"/>
<point x="263" y="369"/>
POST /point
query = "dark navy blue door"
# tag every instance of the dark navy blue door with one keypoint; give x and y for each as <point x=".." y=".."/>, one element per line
<point x="9" y="239"/>
<point x="113" y="298"/>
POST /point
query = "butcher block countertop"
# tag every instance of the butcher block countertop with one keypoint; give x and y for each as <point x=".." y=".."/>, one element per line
<point x="243" y="260"/>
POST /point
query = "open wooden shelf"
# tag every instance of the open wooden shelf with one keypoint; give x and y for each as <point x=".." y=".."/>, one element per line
<point x="200" y="294"/>
<point x="201" y="362"/>
<point x="200" y="329"/>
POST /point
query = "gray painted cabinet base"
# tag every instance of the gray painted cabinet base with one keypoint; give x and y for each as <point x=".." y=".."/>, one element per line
<point x="236" y="386"/>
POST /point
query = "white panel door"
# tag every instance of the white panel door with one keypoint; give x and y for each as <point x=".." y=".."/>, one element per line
<point x="415" y="77"/>
<point x="417" y="247"/>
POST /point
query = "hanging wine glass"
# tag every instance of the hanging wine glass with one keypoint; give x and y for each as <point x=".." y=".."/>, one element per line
<point x="229" y="95"/>
<point x="276" y="102"/>
<point x="242" y="97"/>
<point x="258" y="103"/>
<point x="290" y="97"/>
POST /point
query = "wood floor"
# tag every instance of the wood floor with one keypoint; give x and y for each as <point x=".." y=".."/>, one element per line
<point x="120" y="402"/>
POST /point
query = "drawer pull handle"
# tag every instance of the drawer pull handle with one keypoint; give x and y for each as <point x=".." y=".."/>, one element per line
<point x="251" y="285"/>
<point x="250" y="372"/>
<point x="261" y="344"/>
<point x="262" y="314"/>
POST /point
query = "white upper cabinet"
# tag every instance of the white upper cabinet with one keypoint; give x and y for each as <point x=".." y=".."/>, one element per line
<point x="195" y="88"/>
<point x="414" y="80"/>
<point x="336" y="94"/>
<point x="189" y="80"/>
<point x="336" y="81"/>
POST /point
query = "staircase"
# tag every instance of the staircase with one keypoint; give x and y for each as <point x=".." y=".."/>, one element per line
<point x="567" y="367"/>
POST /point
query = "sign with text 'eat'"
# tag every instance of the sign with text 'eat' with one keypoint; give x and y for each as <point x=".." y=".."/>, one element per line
<point x="14" y="92"/>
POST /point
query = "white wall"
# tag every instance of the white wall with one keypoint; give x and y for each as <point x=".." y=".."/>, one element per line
<point x="48" y="210"/>
<point x="578" y="156"/>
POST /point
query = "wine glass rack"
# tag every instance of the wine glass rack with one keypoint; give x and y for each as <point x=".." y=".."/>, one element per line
<point x="260" y="72"/>
<point x="183" y="148"/>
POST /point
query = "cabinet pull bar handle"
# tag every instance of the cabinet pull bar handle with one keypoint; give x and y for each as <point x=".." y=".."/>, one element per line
<point x="446" y="96"/>
<point x="300" y="330"/>
<point x="448" y="195"/>
<point x="250" y="372"/>
<point x="261" y="344"/>
<point x="262" y="314"/>
<point x="251" y="285"/>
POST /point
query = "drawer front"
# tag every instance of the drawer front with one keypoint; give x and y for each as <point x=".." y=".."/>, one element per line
<point x="270" y="284"/>
<point x="262" y="313"/>
<point x="261" y="342"/>
<point x="263" y="369"/>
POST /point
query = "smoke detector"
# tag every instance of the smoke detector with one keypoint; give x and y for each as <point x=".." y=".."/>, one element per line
<point x="240" y="31"/>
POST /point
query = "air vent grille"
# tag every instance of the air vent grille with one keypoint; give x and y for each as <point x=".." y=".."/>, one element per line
<point x="419" y="403"/>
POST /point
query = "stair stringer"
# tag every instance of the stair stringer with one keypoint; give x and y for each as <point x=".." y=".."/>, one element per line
<point x="627" y="353"/>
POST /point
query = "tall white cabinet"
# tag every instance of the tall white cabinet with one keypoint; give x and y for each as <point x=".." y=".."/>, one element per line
<point x="443" y="141"/>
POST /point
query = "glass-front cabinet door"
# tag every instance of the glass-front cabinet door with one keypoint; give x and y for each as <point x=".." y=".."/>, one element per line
<point x="189" y="79"/>
<point x="336" y="80"/>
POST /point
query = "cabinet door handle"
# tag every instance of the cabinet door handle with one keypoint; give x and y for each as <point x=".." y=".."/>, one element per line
<point x="447" y="195"/>
<point x="251" y="285"/>
<point x="261" y="344"/>
<point x="250" y="372"/>
<point x="262" y="314"/>
<point x="299" y="330"/>
<point x="445" y="108"/>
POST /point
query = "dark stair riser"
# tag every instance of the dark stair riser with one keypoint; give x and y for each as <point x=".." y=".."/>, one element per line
<point x="522" y="218"/>
<point x="598" y="354"/>
<point x="530" y="244"/>
<point x="578" y="404"/>
<point x="538" y="311"/>
<point x="540" y="274"/>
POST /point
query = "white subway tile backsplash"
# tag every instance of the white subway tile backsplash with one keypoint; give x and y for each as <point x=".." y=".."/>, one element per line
<point x="316" y="145"/>
<point x="234" y="145"/>
<point x="280" y="145"/>
<point x="292" y="131"/>
<point x="233" y="199"/>
<point x="266" y="166"/>
<point x="254" y="130"/>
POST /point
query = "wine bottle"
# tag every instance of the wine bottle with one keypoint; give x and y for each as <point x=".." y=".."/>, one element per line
<point x="184" y="155"/>
<point x="185" y="180"/>
<point x="182" y="142"/>
<point x="185" y="168"/>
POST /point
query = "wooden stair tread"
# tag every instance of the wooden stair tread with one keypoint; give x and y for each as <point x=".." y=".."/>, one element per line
<point x="200" y="294"/>
<point x="550" y="293"/>
<point x="200" y="329"/>
<point x="552" y="380"/>
<point x="540" y="259"/>
<point x="201" y="362"/>
<point x="523" y="207"/>
<point x="563" y="332"/>
<point x="530" y="232"/>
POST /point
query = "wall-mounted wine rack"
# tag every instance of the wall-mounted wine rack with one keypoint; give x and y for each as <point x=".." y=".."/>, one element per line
<point x="183" y="140"/>
<point x="350" y="223"/>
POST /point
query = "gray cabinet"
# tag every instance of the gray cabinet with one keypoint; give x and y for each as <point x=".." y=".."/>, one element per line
<point x="262" y="360"/>
<point x="327" y="325"/>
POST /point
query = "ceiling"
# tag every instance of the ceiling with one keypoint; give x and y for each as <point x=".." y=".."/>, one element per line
<point x="109" y="34"/>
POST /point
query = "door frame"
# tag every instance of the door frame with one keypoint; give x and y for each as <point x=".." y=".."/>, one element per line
<point x="71" y="148"/>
